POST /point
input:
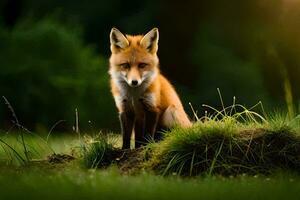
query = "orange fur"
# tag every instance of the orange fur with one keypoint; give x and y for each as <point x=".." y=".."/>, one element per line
<point x="137" y="84"/>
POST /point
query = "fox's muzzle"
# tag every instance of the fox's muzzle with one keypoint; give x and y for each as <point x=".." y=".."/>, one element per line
<point x="133" y="78"/>
<point x="134" y="82"/>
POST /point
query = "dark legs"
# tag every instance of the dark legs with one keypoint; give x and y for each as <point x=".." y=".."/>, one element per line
<point x="139" y="130"/>
<point x="151" y="124"/>
<point x="127" y="120"/>
<point x="159" y="133"/>
<point x="144" y="128"/>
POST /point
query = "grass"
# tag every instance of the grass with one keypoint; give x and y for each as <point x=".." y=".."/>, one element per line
<point x="234" y="153"/>
<point x="72" y="180"/>
<point x="77" y="183"/>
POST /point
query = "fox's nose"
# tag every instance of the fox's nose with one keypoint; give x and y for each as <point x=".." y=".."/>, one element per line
<point x="134" y="82"/>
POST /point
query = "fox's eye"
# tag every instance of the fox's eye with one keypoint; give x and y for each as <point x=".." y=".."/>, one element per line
<point x="142" y="65"/>
<point x="125" y="65"/>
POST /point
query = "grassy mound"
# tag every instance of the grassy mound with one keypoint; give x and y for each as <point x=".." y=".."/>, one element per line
<point x="227" y="147"/>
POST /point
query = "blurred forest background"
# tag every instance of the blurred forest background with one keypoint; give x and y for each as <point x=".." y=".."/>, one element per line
<point x="54" y="55"/>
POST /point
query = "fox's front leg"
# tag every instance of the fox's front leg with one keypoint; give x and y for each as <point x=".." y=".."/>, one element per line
<point x="139" y="131"/>
<point x="151" y="120"/>
<point x="127" y="120"/>
<point x="145" y="127"/>
<point x="151" y="116"/>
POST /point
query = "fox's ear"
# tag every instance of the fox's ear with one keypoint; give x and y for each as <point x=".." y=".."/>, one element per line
<point x="117" y="40"/>
<point x="150" y="41"/>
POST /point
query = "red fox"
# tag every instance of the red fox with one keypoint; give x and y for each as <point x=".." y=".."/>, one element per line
<point x="145" y="99"/>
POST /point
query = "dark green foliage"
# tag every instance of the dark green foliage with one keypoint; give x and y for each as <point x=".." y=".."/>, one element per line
<point x="245" y="51"/>
<point x="47" y="72"/>
<point x="220" y="67"/>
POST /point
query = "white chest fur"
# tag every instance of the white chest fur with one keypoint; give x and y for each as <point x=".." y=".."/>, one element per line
<point x="134" y="98"/>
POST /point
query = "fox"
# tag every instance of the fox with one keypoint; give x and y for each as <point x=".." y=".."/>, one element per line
<point x="145" y="99"/>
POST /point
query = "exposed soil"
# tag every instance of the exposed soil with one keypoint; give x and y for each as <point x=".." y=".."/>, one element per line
<point x="59" y="158"/>
<point x="130" y="161"/>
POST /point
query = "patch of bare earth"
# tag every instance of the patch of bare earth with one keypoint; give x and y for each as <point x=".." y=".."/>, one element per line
<point x="60" y="158"/>
<point x="130" y="161"/>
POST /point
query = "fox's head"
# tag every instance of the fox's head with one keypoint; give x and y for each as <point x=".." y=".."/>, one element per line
<point x="134" y="58"/>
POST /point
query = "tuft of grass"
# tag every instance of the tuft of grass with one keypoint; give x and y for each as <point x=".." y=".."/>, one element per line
<point x="98" y="151"/>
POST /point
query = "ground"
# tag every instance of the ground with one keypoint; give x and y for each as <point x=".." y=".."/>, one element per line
<point x="62" y="176"/>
